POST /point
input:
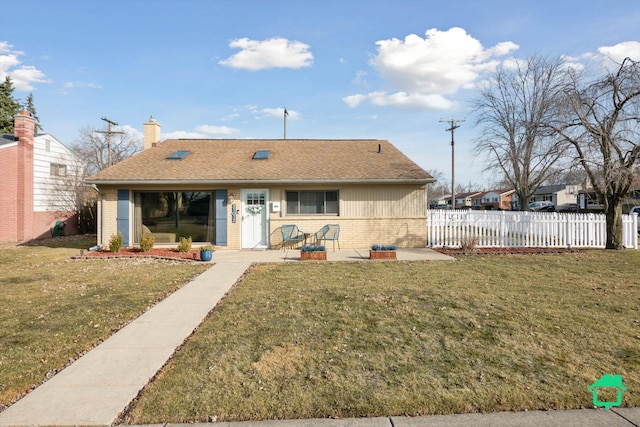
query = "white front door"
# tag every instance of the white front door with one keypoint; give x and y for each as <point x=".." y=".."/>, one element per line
<point x="254" y="214"/>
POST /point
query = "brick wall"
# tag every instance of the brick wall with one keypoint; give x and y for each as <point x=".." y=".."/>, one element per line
<point x="8" y="193"/>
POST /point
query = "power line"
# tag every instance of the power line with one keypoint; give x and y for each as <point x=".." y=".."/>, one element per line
<point x="452" y="129"/>
<point x="109" y="132"/>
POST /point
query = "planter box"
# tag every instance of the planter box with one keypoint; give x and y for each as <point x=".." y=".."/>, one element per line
<point x="382" y="255"/>
<point x="313" y="256"/>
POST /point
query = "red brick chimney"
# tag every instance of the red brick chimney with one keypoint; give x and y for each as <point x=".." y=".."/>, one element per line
<point x="24" y="130"/>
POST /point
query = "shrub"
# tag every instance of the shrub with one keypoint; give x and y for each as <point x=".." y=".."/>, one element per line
<point x="146" y="242"/>
<point x="185" y="244"/>
<point x="469" y="243"/>
<point x="376" y="247"/>
<point x="115" y="243"/>
<point x="206" y="248"/>
<point x="313" y="248"/>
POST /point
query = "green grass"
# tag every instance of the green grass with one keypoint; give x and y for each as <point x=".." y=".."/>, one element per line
<point x="486" y="333"/>
<point x="53" y="309"/>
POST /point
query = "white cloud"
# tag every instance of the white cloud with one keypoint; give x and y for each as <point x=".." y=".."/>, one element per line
<point x="68" y="87"/>
<point x="132" y="132"/>
<point x="216" y="130"/>
<point x="23" y="77"/>
<point x="278" y="113"/>
<point x="360" y="79"/>
<point x="422" y="72"/>
<point x="611" y="57"/>
<point x="354" y="100"/>
<point x="229" y="117"/>
<point x="201" y="132"/>
<point x="276" y="52"/>
<point x="412" y="101"/>
<point x="181" y="134"/>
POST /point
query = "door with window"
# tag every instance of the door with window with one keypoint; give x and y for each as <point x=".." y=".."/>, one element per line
<point x="254" y="219"/>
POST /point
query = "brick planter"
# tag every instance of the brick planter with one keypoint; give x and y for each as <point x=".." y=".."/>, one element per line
<point x="313" y="256"/>
<point x="382" y="255"/>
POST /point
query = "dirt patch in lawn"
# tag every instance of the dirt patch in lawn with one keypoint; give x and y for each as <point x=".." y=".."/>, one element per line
<point x="504" y="251"/>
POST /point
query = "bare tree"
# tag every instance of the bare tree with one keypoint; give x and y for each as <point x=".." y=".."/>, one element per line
<point x="70" y="193"/>
<point x="440" y="186"/>
<point x="603" y="127"/>
<point x="512" y="110"/>
<point x="93" y="148"/>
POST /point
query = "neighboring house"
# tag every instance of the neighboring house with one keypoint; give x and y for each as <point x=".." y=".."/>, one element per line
<point x="443" y="201"/>
<point x="465" y="200"/>
<point x="559" y="195"/>
<point x="237" y="194"/>
<point x="492" y="200"/>
<point x="34" y="183"/>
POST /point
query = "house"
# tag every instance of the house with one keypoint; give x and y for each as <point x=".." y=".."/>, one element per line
<point x="559" y="195"/>
<point x="492" y="199"/>
<point x="465" y="200"/>
<point x="33" y="181"/>
<point x="440" y="202"/>
<point x="237" y="194"/>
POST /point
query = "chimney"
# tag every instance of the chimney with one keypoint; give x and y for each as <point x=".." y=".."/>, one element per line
<point x="151" y="132"/>
<point x="24" y="128"/>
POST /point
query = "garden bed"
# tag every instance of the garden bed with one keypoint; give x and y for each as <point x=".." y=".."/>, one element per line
<point x="161" y="253"/>
<point x="504" y="251"/>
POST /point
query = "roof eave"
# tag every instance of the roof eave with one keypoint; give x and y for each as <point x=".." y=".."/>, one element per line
<point x="253" y="182"/>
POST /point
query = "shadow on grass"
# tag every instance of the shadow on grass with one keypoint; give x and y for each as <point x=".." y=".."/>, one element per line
<point x="79" y="241"/>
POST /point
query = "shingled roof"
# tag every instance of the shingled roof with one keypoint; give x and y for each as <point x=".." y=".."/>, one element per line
<point x="231" y="161"/>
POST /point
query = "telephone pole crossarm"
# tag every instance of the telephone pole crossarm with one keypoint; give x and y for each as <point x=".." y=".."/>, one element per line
<point x="454" y="126"/>
<point x="109" y="133"/>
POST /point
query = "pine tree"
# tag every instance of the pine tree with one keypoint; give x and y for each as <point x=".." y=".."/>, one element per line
<point x="9" y="107"/>
<point x="31" y="108"/>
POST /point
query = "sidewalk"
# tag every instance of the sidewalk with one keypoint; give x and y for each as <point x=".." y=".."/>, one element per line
<point x="97" y="387"/>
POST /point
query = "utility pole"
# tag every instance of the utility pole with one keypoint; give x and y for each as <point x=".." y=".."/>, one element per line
<point x="452" y="129"/>
<point x="286" y="113"/>
<point x="109" y="132"/>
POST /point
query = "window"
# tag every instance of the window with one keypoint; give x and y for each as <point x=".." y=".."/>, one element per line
<point x="56" y="169"/>
<point x="178" y="155"/>
<point x="312" y="202"/>
<point x="174" y="214"/>
<point x="261" y="155"/>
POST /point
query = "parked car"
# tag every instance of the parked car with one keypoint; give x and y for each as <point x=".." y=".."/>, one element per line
<point x="542" y="206"/>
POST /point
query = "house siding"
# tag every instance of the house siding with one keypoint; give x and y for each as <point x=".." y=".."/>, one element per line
<point x="388" y="214"/>
<point x="29" y="204"/>
<point x="53" y="193"/>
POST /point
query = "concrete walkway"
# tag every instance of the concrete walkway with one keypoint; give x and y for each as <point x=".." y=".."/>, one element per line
<point x="97" y="387"/>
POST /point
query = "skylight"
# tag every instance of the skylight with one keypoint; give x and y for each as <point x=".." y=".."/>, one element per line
<point x="178" y="155"/>
<point x="261" y="155"/>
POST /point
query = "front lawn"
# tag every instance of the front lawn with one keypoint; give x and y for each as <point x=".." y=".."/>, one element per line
<point x="53" y="309"/>
<point x="487" y="333"/>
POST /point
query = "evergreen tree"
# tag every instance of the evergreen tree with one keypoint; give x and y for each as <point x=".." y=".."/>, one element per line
<point x="31" y="108"/>
<point x="9" y="107"/>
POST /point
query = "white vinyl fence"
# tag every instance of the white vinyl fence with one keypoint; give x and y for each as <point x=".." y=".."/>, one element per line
<point x="523" y="229"/>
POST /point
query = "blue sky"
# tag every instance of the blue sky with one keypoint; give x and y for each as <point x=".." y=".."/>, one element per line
<point x="343" y="69"/>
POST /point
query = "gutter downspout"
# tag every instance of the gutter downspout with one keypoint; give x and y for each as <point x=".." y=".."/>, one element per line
<point x="103" y="203"/>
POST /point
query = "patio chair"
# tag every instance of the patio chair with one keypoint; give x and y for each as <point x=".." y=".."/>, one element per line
<point x="329" y="232"/>
<point x="291" y="233"/>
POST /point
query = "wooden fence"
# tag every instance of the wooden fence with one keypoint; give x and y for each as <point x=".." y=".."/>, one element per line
<point x="523" y="229"/>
